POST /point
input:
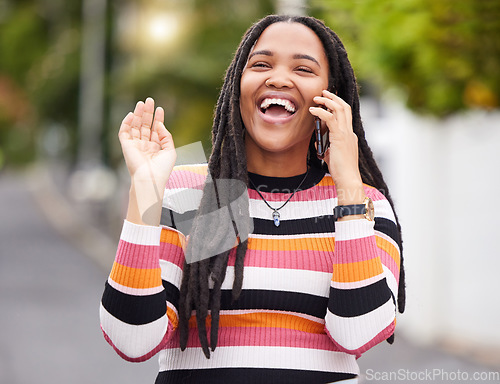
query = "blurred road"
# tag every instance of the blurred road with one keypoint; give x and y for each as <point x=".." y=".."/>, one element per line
<point x="49" y="300"/>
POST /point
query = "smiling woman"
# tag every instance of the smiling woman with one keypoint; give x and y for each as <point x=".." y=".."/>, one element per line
<point x="317" y="241"/>
<point x="285" y="71"/>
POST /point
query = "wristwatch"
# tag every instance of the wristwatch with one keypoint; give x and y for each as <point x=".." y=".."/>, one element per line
<point x="355" y="209"/>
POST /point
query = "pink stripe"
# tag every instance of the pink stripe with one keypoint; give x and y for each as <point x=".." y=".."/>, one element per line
<point x="356" y="250"/>
<point x="321" y="261"/>
<point x="317" y="193"/>
<point x="389" y="262"/>
<point x="137" y="256"/>
<point x="173" y="253"/>
<point x="352" y="251"/>
<point x="260" y="336"/>
<point x="373" y="193"/>
<point x="311" y="194"/>
<point x="186" y="179"/>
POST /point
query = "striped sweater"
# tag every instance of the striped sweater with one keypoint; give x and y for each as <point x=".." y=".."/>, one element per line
<point x="316" y="293"/>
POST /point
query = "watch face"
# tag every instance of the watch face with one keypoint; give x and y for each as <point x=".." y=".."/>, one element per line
<point x="370" y="211"/>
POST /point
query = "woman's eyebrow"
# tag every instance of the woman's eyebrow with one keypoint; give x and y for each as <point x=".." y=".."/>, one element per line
<point x="307" y="57"/>
<point x="266" y="52"/>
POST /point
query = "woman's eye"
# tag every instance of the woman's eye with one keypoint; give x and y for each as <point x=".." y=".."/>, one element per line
<point x="305" y="69"/>
<point x="260" y="65"/>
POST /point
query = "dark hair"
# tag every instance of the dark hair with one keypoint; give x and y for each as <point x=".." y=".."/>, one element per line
<point x="228" y="161"/>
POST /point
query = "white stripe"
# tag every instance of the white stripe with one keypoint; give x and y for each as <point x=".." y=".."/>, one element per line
<point x="181" y="200"/>
<point x="133" y="340"/>
<point x="383" y="209"/>
<point x="391" y="281"/>
<point x="325" y="235"/>
<point x="140" y="234"/>
<point x="259" y="357"/>
<point x="353" y="229"/>
<point x="278" y="279"/>
<point x="293" y="210"/>
<point x="357" y="284"/>
<point x="354" y="332"/>
<point x="134" y="291"/>
<point x="171" y="272"/>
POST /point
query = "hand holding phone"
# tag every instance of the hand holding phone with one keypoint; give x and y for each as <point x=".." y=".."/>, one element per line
<point x="322" y="141"/>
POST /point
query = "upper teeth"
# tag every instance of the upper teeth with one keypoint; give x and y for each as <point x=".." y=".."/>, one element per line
<point x="287" y="104"/>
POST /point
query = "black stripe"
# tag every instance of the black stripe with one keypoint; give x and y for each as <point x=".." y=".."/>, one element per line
<point x="135" y="310"/>
<point x="320" y="224"/>
<point x="389" y="228"/>
<point x="276" y="300"/>
<point x="358" y="301"/>
<point x="271" y="184"/>
<point x="172" y="293"/>
<point x="180" y="221"/>
<point x="250" y="376"/>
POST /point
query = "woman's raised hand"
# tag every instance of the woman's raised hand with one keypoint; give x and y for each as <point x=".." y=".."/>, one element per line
<point x="147" y="145"/>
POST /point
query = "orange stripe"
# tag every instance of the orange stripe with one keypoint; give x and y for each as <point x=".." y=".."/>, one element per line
<point x="136" y="278"/>
<point x="271" y="320"/>
<point x="357" y="271"/>
<point x="172" y="237"/>
<point x="300" y="244"/>
<point x="326" y="182"/>
<point x="172" y="317"/>
<point x="389" y="248"/>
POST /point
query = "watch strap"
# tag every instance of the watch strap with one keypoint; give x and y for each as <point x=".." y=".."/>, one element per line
<point x="347" y="210"/>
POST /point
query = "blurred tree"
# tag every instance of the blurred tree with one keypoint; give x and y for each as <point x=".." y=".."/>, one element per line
<point x="443" y="54"/>
<point x="39" y="43"/>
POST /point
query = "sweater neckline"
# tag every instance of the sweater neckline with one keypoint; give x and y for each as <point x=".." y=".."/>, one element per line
<point x="272" y="184"/>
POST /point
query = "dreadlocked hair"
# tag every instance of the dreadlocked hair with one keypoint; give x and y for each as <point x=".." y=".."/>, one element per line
<point x="228" y="162"/>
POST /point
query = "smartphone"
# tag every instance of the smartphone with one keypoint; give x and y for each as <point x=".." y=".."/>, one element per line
<point x="322" y="139"/>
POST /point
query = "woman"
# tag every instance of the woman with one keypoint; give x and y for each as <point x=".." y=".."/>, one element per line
<point x="301" y="296"/>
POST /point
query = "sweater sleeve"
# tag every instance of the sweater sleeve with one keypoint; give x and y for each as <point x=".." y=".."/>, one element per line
<point x="362" y="302"/>
<point x="138" y="309"/>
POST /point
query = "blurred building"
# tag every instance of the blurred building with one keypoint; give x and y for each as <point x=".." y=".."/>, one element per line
<point x="443" y="175"/>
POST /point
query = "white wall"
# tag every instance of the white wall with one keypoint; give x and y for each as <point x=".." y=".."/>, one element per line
<point x="444" y="178"/>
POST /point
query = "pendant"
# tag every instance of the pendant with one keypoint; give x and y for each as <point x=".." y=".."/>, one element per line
<point x="276" y="218"/>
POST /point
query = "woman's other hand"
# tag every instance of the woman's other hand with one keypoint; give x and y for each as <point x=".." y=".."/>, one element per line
<point x="342" y="155"/>
<point x="147" y="145"/>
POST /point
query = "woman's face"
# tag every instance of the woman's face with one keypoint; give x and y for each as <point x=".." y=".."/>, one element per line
<point x="286" y="68"/>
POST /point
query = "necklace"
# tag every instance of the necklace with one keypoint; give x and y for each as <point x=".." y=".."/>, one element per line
<point x="276" y="214"/>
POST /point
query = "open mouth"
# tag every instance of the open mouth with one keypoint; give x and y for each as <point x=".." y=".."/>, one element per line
<point x="278" y="108"/>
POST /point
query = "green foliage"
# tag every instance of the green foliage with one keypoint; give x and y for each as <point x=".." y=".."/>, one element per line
<point x="39" y="56"/>
<point x="444" y="54"/>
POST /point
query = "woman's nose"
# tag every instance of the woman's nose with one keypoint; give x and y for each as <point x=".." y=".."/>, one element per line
<point x="279" y="80"/>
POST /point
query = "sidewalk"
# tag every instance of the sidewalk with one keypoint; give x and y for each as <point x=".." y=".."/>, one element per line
<point x="50" y="286"/>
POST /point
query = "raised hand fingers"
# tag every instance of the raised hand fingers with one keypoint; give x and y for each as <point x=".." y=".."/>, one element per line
<point x="135" y="126"/>
<point x="147" y="119"/>
<point x="125" y="132"/>
<point x="157" y="122"/>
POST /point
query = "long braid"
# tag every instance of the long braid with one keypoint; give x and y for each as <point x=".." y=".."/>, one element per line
<point x="228" y="161"/>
